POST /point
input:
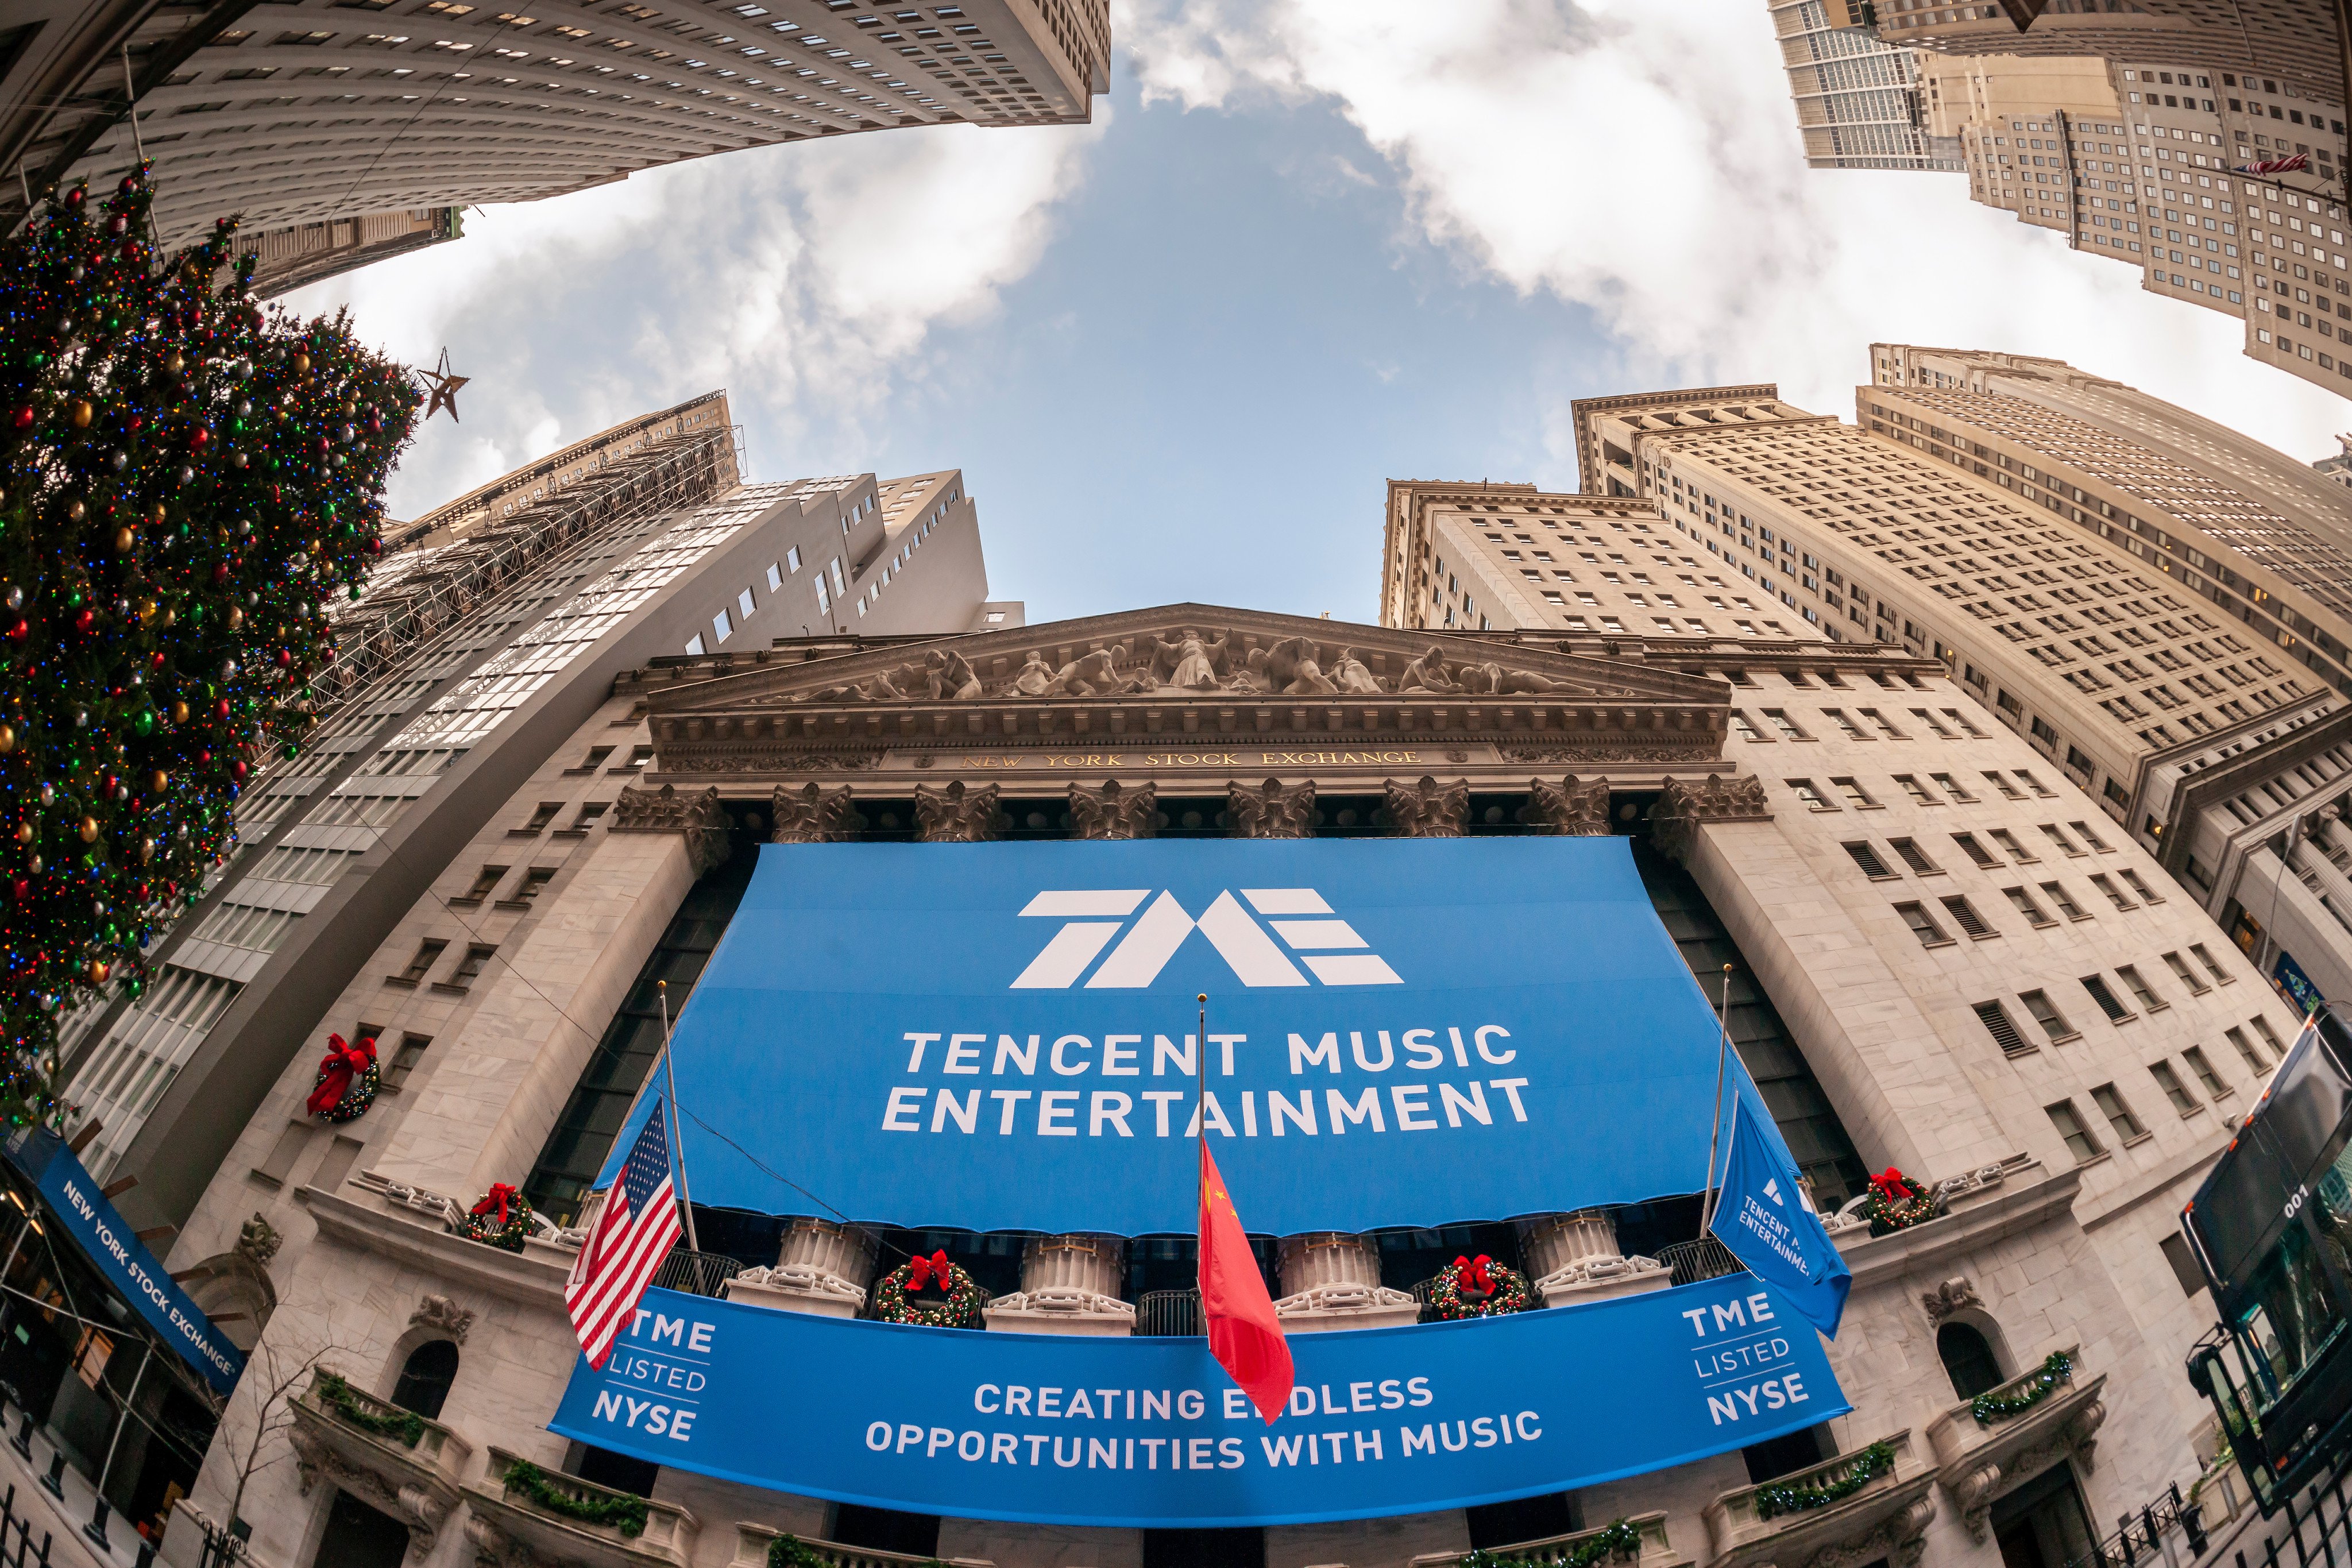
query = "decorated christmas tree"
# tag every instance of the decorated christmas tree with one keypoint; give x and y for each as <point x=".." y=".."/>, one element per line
<point x="186" y="478"/>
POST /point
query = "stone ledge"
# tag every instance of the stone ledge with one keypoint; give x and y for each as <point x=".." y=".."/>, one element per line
<point x="407" y="1239"/>
<point x="1876" y="1259"/>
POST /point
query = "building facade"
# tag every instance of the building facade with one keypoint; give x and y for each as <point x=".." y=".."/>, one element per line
<point x="467" y="662"/>
<point x="316" y="117"/>
<point x="2033" y="1027"/>
<point x="1860" y="103"/>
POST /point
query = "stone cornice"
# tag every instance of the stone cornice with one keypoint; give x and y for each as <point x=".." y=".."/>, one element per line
<point x="1583" y="411"/>
<point x="1879" y="1259"/>
<point x="534" y="1277"/>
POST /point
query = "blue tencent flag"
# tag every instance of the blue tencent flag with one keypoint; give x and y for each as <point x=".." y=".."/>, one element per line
<point x="1765" y="1219"/>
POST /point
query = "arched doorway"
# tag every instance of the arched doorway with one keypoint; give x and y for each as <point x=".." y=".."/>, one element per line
<point x="426" y="1378"/>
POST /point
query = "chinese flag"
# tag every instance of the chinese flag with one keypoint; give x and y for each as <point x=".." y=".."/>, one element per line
<point x="1243" y="1334"/>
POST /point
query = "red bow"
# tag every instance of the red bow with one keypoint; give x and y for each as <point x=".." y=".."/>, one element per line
<point x="341" y="1065"/>
<point x="922" y="1271"/>
<point x="1470" y="1274"/>
<point x="500" y="1195"/>
<point x="1888" y="1184"/>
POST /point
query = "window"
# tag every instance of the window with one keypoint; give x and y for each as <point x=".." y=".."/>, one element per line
<point x="1866" y="857"/>
<point x="793" y="559"/>
<point x="590" y="812"/>
<point x="592" y="760"/>
<point x="482" y="885"/>
<point x="1976" y="851"/>
<point x="2008" y="840"/>
<point x="2056" y="893"/>
<point x="1916" y="791"/>
<point x="1913" y="856"/>
<point x="540" y="817"/>
<point x="1743" y="729"/>
<point x="2100" y="881"/>
<point x="776" y="577"/>
<point x="2148" y="1000"/>
<point x="744" y="603"/>
<point x="1961" y="719"/>
<point x="533" y="880"/>
<point x="2174" y="1091"/>
<point x="2035" y="784"/>
<point x="824" y="604"/>
<point x="2195" y="1057"/>
<point x="2186" y="975"/>
<point x="1852" y="730"/>
<point x="2110" y="1101"/>
<point x="2045" y="1012"/>
<point x="1923" y="925"/>
<point x="1964" y="915"/>
<point x="1998" y="1024"/>
<point x="2247" y="1050"/>
<point x="429" y="954"/>
<point x="404" y="1060"/>
<point x="2105" y="995"/>
<point x="2066" y="846"/>
<point x="1780" y="719"/>
<point x="1953" y="789"/>
<point x="1885" y="727"/>
<point x="2034" y="913"/>
<point x="2138" y="886"/>
<point x="2001" y="781"/>
<point x="2083" y="831"/>
<point x="470" y="968"/>
<point x="694" y="649"/>
<point x="279" y="1164"/>
<point x="2063" y="1116"/>
<point x="1854" y="793"/>
<point x="640" y="757"/>
<point x="723" y="627"/>
<point x="1813" y="799"/>
<point x="2220" y="976"/>
<point x="840" y="584"/>
<point x="2263" y="1027"/>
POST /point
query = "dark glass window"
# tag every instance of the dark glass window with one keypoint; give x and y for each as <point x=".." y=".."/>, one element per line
<point x="1496" y="1525"/>
<point x="426" y="1378"/>
<point x="600" y="1102"/>
<point x="1968" y="1359"/>
<point x="1204" y="1549"/>
<point x="886" y="1529"/>
<point x="1786" y="1454"/>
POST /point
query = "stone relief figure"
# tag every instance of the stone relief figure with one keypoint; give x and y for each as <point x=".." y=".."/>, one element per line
<point x="1349" y="674"/>
<point x="1273" y="810"/>
<point x="1493" y="678"/>
<point x="811" y="815"/>
<point x="947" y="674"/>
<point x="1194" y="662"/>
<point x="1036" y="677"/>
<point x="1114" y="810"/>
<point x="956" y="815"/>
<point x="1429" y="809"/>
<point x="1290" y="668"/>
<point x="1096" y="674"/>
<point x="1426" y="673"/>
<point x="1572" y="808"/>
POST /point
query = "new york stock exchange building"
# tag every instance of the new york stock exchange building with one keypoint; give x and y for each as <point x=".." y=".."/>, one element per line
<point x="929" y="916"/>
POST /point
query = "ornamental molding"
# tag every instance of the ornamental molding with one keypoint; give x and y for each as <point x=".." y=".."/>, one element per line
<point x="1682" y="806"/>
<point x="258" y="1241"/>
<point x="1573" y="808"/>
<point x="1271" y="810"/>
<point x="811" y="815"/>
<point x="1114" y="810"/>
<point x="444" y="1316"/>
<point x="417" y="1507"/>
<point x="699" y="817"/>
<point x="1428" y="809"/>
<point x="1978" y="1463"/>
<point x="959" y="813"/>
<point x="1952" y="1296"/>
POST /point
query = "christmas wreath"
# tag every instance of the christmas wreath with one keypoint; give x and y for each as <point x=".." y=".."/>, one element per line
<point x="1477" y="1288"/>
<point x="501" y="1219"/>
<point x="348" y="1081"/>
<point x="930" y="1291"/>
<point x="2054" y="1371"/>
<point x="1896" y="1203"/>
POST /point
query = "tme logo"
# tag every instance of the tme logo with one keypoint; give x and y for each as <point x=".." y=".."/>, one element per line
<point x="1299" y="916"/>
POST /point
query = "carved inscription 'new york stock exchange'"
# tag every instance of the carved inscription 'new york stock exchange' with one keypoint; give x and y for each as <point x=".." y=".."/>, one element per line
<point x="1223" y="758"/>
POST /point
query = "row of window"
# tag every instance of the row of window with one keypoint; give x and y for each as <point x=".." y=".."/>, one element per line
<point x="1923" y="793"/>
<point x="2125" y="1123"/>
<point x="2055" y="1029"/>
<point x="1862" y="724"/>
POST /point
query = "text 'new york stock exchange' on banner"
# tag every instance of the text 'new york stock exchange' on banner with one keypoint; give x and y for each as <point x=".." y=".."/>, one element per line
<point x="1002" y="1036"/>
<point x="1148" y="1431"/>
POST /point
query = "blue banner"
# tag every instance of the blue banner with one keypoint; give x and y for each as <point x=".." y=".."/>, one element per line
<point x="1765" y="1219"/>
<point x="1061" y="1429"/>
<point x="2296" y="985"/>
<point x="121" y="1258"/>
<point x="1001" y="1035"/>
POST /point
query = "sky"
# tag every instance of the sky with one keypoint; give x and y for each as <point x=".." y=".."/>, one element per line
<point x="1306" y="246"/>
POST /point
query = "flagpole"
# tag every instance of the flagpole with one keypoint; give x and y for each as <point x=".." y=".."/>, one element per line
<point x="1202" y="1063"/>
<point x="677" y="1131"/>
<point x="1715" y="1132"/>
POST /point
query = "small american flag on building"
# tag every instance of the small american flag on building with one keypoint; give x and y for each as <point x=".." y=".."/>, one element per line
<point x="634" y="1233"/>
<point x="2295" y="165"/>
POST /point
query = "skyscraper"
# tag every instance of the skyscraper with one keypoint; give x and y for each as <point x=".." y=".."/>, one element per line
<point x="1859" y="103"/>
<point x="395" y="113"/>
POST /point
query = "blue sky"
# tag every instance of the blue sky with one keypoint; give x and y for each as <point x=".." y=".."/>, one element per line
<point x="1307" y="247"/>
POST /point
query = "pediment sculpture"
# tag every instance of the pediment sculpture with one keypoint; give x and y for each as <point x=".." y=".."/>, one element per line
<point x="1191" y="662"/>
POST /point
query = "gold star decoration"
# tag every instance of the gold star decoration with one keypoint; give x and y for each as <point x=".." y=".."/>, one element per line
<point x="441" y="386"/>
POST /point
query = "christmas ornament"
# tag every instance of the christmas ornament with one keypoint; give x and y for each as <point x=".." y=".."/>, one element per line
<point x="1477" y="1288"/>
<point x="930" y="1291"/>
<point x="137" y="507"/>
<point x="348" y="1081"/>
<point x="501" y="1219"/>
<point x="1896" y="1203"/>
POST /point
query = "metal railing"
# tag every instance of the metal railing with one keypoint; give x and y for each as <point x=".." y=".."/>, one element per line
<point x="16" y="1548"/>
<point x="1168" y="1313"/>
<point x="696" y="1273"/>
<point x="2144" y="1536"/>
<point x="1706" y="1259"/>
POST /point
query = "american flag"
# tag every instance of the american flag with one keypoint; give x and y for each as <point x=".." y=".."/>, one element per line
<point x="634" y="1233"/>
<point x="2276" y="166"/>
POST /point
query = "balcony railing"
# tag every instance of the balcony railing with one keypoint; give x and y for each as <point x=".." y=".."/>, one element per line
<point x="1706" y="1259"/>
<point x="564" y="1519"/>
<point x="1169" y="1313"/>
<point x="752" y="1543"/>
<point x="1834" y="1486"/>
<point x="1557" y="1549"/>
<point x="696" y="1273"/>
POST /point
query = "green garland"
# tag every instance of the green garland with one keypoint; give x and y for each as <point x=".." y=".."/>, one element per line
<point x="1448" y="1305"/>
<point x="960" y="1309"/>
<point x="1781" y="1497"/>
<point x="790" y="1551"/>
<point x="1989" y="1408"/>
<point x="621" y="1511"/>
<point x="336" y="1396"/>
<point x="1620" y="1540"/>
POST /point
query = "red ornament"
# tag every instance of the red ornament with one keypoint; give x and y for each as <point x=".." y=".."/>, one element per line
<point x="21" y="891"/>
<point x="237" y="770"/>
<point x="20" y="631"/>
<point x="83" y="621"/>
<point x="23" y="419"/>
<point x="197" y="438"/>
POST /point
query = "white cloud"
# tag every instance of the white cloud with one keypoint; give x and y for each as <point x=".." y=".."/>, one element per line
<point x="803" y="280"/>
<point x="1641" y="160"/>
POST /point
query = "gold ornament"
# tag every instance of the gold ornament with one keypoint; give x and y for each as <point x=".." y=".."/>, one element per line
<point x="123" y="540"/>
<point x="179" y="710"/>
<point x="177" y="363"/>
<point x="90" y="830"/>
<point x="75" y="512"/>
<point x="156" y="782"/>
<point x="7" y="739"/>
<point x="147" y="609"/>
<point x="236" y="617"/>
<point x="26" y="833"/>
<point x="81" y="412"/>
<point x="97" y="971"/>
<point x="301" y="363"/>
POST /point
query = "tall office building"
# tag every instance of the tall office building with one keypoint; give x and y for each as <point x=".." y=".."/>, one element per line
<point x="476" y="649"/>
<point x="1859" y="101"/>
<point x="343" y="132"/>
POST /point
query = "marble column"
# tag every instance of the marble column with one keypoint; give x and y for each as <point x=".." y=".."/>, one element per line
<point x="822" y="1268"/>
<point x="1573" y="1257"/>
<point x="1069" y="1285"/>
<point x="1332" y="1280"/>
